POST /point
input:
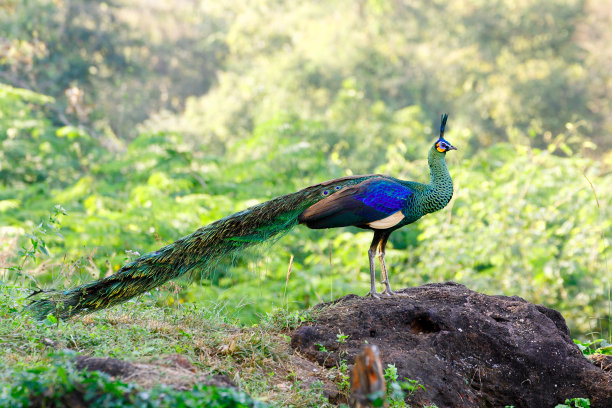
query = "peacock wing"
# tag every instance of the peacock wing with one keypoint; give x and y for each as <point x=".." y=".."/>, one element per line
<point x="376" y="202"/>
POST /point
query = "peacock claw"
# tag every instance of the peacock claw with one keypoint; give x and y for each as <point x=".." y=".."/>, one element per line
<point x="390" y="293"/>
<point x="374" y="295"/>
<point x="394" y="294"/>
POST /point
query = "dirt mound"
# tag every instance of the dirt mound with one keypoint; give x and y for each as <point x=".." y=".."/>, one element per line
<point x="468" y="349"/>
<point x="175" y="371"/>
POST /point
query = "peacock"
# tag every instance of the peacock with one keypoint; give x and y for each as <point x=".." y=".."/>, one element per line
<point x="376" y="202"/>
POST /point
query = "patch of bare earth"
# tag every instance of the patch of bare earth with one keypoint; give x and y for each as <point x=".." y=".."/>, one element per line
<point x="174" y="370"/>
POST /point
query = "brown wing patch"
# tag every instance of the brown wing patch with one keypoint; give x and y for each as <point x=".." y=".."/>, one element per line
<point x="328" y="204"/>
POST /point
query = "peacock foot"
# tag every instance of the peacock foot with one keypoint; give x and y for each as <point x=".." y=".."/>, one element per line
<point x="389" y="293"/>
<point x="373" y="294"/>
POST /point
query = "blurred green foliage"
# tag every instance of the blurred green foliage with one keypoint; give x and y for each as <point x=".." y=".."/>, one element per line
<point x="158" y="121"/>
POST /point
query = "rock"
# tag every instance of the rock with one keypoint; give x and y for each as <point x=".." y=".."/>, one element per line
<point x="466" y="348"/>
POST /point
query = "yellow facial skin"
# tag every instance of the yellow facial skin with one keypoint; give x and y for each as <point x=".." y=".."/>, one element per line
<point x="441" y="150"/>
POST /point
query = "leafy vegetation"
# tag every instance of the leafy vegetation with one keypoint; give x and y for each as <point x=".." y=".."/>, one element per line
<point x="397" y="391"/>
<point x="540" y="205"/>
<point x="61" y="385"/>
<point x="596" y="346"/>
<point x="37" y="357"/>
<point x="575" y="403"/>
<point x="125" y="125"/>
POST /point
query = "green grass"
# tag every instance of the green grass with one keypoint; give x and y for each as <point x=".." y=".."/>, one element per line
<point x="38" y="358"/>
<point x="60" y="384"/>
<point x="37" y="355"/>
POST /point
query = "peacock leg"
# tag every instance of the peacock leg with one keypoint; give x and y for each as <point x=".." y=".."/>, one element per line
<point x="384" y="274"/>
<point x="381" y="257"/>
<point x="371" y="256"/>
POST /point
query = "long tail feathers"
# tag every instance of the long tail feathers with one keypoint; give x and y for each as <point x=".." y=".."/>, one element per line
<point x="197" y="251"/>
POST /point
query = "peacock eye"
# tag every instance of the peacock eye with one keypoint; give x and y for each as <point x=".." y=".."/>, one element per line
<point x="325" y="192"/>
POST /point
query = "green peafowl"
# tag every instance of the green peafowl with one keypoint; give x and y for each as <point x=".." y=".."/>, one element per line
<point x="376" y="202"/>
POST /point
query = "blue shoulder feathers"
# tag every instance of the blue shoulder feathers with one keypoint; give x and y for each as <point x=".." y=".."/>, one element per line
<point x="371" y="200"/>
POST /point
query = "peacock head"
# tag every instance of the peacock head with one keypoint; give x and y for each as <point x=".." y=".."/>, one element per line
<point x="442" y="145"/>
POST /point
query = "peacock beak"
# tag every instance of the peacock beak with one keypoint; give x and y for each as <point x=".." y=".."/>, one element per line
<point x="451" y="147"/>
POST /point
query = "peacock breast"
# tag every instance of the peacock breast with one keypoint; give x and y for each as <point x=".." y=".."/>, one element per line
<point x="413" y="210"/>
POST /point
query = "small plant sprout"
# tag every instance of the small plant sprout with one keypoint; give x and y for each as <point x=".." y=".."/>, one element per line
<point x="575" y="403"/>
<point x="344" y="385"/>
<point x="341" y="338"/>
<point x="397" y="391"/>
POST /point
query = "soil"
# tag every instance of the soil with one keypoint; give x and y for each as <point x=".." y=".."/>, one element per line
<point x="174" y="370"/>
<point x="468" y="349"/>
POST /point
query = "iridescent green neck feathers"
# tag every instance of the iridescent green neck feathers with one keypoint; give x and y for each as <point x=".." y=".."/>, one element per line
<point x="439" y="191"/>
